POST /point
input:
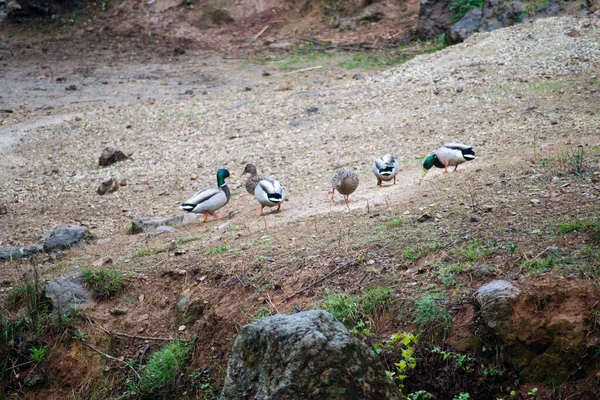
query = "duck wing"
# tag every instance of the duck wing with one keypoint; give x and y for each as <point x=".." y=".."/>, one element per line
<point x="273" y="192"/>
<point x="200" y="197"/>
<point x="457" y="146"/>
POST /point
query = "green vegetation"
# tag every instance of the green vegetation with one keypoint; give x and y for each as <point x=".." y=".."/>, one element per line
<point x="431" y="318"/>
<point x="104" y="282"/>
<point x="216" y="250"/>
<point x="354" y="312"/>
<point x="415" y="252"/>
<point x="405" y="344"/>
<point x="163" y="372"/>
<point x="473" y="250"/>
<point x="394" y="222"/>
<point x="263" y="312"/>
<point x="147" y="252"/>
<point x="462" y="7"/>
<point x="38" y="354"/>
<point x="182" y="241"/>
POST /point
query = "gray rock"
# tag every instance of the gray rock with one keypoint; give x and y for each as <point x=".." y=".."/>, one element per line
<point x="33" y="378"/>
<point x="67" y="237"/>
<point x="162" y="230"/>
<point x="434" y="18"/>
<point x="300" y="356"/>
<point x="494" y="14"/>
<point x="188" y="310"/>
<point x="110" y="156"/>
<point x="110" y="186"/>
<point x="150" y="225"/>
<point x="15" y="253"/>
<point x="494" y="299"/>
<point x="68" y="293"/>
<point x="468" y="25"/>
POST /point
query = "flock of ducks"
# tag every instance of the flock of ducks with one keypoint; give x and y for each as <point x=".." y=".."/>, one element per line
<point x="270" y="193"/>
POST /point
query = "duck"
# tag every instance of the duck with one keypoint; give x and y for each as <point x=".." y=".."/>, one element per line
<point x="209" y="200"/>
<point x="269" y="192"/>
<point x="253" y="178"/>
<point x="386" y="168"/>
<point x="449" y="155"/>
<point x="344" y="181"/>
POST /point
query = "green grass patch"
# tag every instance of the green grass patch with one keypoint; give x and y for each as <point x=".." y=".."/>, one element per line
<point x="394" y="222"/>
<point x="413" y="253"/>
<point x="163" y="372"/>
<point x="147" y="252"/>
<point x="542" y="264"/>
<point x="371" y="299"/>
<point x="572" y="226"/>
<point x="216" y="250"/>
<point x="104" y="282"/>
<point x="473" y="250"/>
<point x="353" y="311"/>
<point x="182" y="241"/>
<point x="431" y="318"/>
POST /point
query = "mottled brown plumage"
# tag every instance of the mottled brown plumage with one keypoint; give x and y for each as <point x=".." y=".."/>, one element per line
<point x="253" y="178"/>
<point x="344" y="181"/>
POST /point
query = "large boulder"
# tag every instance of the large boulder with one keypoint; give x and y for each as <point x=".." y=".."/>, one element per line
<point x="494" y="14"/>
<point x="68" y="293"/>
<point x="434" y="18"/>
<point x="302" y="356"/>
<point x="67" y="237"/>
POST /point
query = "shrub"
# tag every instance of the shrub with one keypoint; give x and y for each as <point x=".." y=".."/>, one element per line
<point x="104" y="282"/>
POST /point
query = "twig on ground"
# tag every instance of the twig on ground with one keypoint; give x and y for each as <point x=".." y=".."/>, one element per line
<point x="261" y="32"/>
<point x="298" y="70"/>
<point x="112" y="358"/>
<point x="143" y="337"/>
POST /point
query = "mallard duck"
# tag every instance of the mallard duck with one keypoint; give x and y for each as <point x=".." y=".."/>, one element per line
<point x="253" y="178"/>
<point x="449" y="155"/>
<point x="269" y="193"/>
<point x="209" y="200"/>
<point x="385" y="168"/>
<point x="345" y="181"/>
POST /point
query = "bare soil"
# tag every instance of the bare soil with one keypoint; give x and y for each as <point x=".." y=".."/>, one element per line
<point x="527" y="99"/>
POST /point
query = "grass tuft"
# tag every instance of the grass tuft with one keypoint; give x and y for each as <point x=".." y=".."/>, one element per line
<point x="104" y="282"/>
<point x="160" y="377"/>
<point x="431" y="318"/>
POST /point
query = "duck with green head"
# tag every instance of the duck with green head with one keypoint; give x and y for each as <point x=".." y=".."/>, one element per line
<point x="449" y="155"/>
<point x="209" y="200"/>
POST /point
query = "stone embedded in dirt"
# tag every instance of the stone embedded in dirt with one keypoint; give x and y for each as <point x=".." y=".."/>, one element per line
<point x="188" y="309"/>
<point x="34" y="377"/>
<point x="110" y="156"/>
<point x="553" y="251"/>
<point x="15" y="253"/>
<point x="160" y="230"/>
<point x="312" y="110"/>
<point x="117" y="311"/>
<point x="68" y="293"/>
<point x="189" y="92"/>
<point x="494" y="298"/>
<point x="110" y="186"/>
<point x="424" y="218"/>
<point x="150" y="225"/>
<point x="289" y="356"/>
<point x="71" y="87"/>
<point x="102" y="262"/>
<point x="67" y="237"/>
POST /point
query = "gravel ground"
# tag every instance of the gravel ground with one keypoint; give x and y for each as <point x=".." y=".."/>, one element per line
<point x="533" y="87"/>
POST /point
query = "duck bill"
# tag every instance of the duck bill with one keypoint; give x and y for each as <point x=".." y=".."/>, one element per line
<point x="234" y="176"/>
<point x="425" y="171"/>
